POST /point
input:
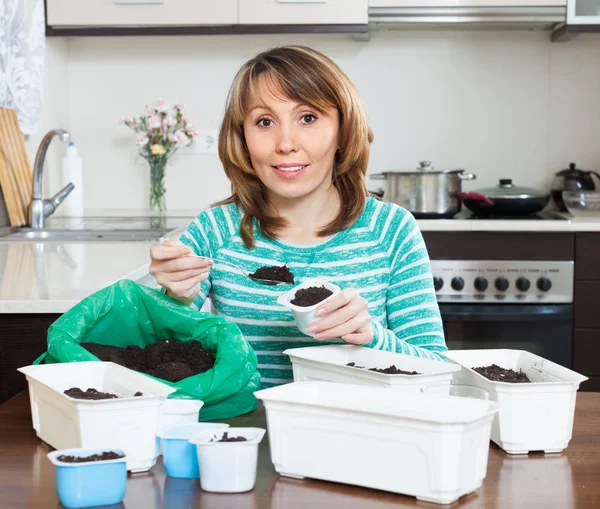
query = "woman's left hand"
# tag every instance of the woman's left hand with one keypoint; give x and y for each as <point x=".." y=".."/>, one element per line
<point x="347" y="317"/>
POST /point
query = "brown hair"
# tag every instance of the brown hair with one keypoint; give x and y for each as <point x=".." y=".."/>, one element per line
<point x="309" y="77"/>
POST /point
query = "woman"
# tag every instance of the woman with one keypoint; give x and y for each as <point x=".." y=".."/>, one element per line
<point x="294" y="143"/>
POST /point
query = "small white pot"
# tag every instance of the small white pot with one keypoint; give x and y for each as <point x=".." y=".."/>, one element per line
<point x="305" y="316"/>
<point x="228" y="467"/>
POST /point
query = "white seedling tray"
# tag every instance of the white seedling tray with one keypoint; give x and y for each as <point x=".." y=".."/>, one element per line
<point x="535" y="416"/>
<point x="128" y="423"/>
<point x="429" y="446"/>
<point x="328" y="364"/>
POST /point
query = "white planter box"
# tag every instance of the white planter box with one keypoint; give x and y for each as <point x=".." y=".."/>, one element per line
<point x="535" y="416"/>
<point x="128" y="423"/>
<point x="432" y="447"/>
<point x="328" y="364"/>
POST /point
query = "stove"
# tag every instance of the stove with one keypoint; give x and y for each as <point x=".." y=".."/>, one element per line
<point x="531" y="217"/>
<point x="477" y="281"/>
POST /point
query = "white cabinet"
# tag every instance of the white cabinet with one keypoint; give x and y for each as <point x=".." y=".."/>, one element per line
<point x="583" y="12"/>
<point x="303" y="12"/>
<point x="120" y="13"/>
<point x="469" y="3"/>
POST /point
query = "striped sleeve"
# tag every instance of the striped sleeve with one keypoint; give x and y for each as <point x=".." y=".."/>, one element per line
<point x="206" y="235"/>
<point x="414" y="324"/>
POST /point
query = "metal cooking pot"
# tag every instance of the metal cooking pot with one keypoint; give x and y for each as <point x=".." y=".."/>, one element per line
<point x="425" y="192"/>
<point x="505" y="199"/>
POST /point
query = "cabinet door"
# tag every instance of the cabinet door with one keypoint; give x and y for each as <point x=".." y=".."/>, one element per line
<point x="303" y="12"/>
<point x="468" y="3"/>
<point x="70" y="13"/>
<point x="583" y="12"/>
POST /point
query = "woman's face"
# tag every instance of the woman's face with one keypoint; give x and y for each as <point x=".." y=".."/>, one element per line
<point x="292" y="146"/>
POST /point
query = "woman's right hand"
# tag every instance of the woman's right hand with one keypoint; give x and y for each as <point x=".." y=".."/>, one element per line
<point x="177" y="272"/>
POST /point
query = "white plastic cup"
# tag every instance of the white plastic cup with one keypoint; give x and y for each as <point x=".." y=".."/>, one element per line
<point x="458" y="390"/>
<point x="305" y="316"/>
<point x="228" y="467"/>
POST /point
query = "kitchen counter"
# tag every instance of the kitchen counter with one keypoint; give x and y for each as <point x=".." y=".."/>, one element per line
<point x="51" y="277"/>
<point x="556" y="222"/>
<point x="563" y="481"/>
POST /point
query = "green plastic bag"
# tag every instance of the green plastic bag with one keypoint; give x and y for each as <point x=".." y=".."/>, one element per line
<point x="126" y="313"/>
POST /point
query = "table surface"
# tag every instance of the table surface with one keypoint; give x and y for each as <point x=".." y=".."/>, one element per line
<point x="567" y="480"/>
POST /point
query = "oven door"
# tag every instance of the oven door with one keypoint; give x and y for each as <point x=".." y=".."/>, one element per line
<point x="545" y="330"/>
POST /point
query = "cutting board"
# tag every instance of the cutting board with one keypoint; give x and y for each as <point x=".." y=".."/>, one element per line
<point x="16" y="177"/>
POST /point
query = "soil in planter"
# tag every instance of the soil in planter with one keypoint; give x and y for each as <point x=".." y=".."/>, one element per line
<point x="497" y="374"/>
<point x="392" y="370"/>
<point x="169" y="360"/>
<point x="77" y="393"/>
<point x="282" y="274"/>
<point x="105" y="456"/>
<point x="309" y="296"/>
<point x="227" y="438"/>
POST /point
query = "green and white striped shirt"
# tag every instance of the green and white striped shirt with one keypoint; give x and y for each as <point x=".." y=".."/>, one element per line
<point x="382" y="255"/>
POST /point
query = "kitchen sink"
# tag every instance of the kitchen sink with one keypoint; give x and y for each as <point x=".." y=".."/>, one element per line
<point x="84" y="235"/>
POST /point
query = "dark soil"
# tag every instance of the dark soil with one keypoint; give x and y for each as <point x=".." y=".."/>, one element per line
<point x="77" y="393"/>
<point x="169" y="360"/>
<point x="105" y="456"/>
<point x="497" y="374"/>
<point x="137" y="394"/>
<point x="309" y="296"/>
<point x="171" y="371"/>
<point x="227" y="438"/>
<point x="274" y="274"/>
<point x="392" y="370"/>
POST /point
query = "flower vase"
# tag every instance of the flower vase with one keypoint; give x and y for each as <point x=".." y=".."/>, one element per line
<point x="158" y="207"/>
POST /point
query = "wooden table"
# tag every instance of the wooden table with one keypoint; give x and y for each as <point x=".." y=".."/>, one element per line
<point x="562" y="481"/>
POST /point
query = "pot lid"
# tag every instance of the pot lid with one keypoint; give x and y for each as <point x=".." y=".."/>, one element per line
<point x="572" y="171"/>
<point x="425" y="167"/>
<point x="506" y="189"/>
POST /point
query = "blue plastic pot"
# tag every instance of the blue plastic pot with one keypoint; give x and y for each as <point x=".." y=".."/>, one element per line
<point x="92" y="483"/>
<point x="179" y="456"/>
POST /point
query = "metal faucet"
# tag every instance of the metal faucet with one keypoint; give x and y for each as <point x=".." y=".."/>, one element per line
<point x="40" y="208"/>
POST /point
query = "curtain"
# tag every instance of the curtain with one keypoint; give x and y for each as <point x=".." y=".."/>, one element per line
<point x="22" y="45"/>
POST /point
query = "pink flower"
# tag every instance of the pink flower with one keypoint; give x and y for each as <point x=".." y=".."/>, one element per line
<point x="154" y="122"/>
<point x="161" y="105"/>
<point x="180" y="138"/>
<point x="142" y="139"/>
<point x="178" y="107"/>
<point x="169" y="121"/>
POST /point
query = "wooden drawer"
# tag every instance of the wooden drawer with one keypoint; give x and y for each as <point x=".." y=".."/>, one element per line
<point x="591" y="385"/>
<point x="587" y="256"/>
<point x="586" y="351"/>
<point x="587" y="304"/>
<point x="23" y="340"/>
<point x="500" y="246"/>
<point x="114" y="13"/>
<point x="303" y="12"/>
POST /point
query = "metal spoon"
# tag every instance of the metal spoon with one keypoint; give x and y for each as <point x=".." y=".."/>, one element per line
<point x="265" y="282"/>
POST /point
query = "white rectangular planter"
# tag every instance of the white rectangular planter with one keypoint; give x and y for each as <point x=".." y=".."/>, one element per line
<point x="127" y="423"/>
<point x="535" y="416"/>
<point x="428" y="446"/>
<point x="328" y="363"/>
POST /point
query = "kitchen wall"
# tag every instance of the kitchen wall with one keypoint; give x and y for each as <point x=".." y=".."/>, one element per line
<point x="55" y="111"/>
<point x="501" y="104"/>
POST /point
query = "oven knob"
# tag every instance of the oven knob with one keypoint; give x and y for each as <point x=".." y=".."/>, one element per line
<point x="438" y="283"/>
<point x="457" y="283"/>
<point x="544" y="284"/>
<point x="502" y="284"/>
<point x="523" y="284"/>
<point x="481" y="284"/>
